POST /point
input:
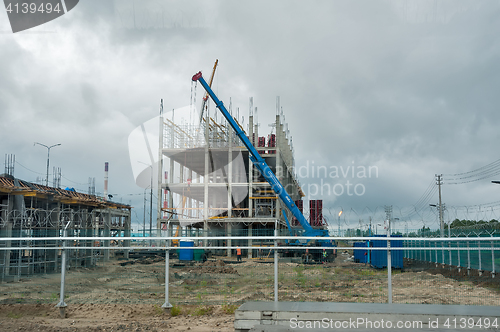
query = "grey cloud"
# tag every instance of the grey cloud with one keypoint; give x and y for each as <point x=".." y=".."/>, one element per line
<point x="411" y="89"/>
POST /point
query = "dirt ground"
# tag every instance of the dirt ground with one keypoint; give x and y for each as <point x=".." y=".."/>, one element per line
<point x="103" y="317"/>
<point x="126" y="295"/>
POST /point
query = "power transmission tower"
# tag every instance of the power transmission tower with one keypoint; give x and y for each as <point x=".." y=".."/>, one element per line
<point x="388" y="216"/>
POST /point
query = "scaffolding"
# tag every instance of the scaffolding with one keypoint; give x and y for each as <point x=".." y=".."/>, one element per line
<point x="29" y="210"/>
<point x="209" y="186"/>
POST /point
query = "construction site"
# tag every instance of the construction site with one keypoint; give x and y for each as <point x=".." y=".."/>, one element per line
<point x="210" y="186"/>
<point x="224" y="181"/>
<point x="30" y="210"/>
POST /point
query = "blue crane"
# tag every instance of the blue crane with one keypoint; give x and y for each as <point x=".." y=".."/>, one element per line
<point x="264" y="169"/>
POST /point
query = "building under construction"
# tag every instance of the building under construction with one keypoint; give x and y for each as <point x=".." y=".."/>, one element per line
<point x="210" y="187"/>
<point x="30" y="210"/>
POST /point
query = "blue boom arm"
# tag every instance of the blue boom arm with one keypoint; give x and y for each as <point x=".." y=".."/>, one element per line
<point x="287" y="224"/>
<point x="261" y="165"/>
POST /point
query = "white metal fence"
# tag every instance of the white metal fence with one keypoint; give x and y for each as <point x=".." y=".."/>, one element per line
<point x="289" y="275"/>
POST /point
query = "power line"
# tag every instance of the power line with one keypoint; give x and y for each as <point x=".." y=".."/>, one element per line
<point x="422" y="202"/>
<point x="17" y="162"/>
<point x="478" y="174"/>
<point x="495" y="163"/>
<point x="73" y="181"/>
<point x="486" y="176"/>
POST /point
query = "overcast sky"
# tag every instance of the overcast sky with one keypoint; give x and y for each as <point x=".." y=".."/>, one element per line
<point x="406" y="88"/>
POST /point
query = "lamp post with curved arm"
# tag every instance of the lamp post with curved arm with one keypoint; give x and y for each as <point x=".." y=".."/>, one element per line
<point x="48" y="158"/>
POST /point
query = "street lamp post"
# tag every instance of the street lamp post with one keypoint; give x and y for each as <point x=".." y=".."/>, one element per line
<point x="48" y="158"/>
<point x="150" y="203"/>
<point x="144" y="220"/>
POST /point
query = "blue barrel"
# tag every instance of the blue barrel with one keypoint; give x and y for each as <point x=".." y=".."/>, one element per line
<point x="186" y="254"/>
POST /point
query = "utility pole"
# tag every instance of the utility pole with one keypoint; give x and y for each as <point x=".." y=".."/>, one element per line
<point x="144" y="220"/>
<point x="439" y="182"/>
<point x="151" y="207"/>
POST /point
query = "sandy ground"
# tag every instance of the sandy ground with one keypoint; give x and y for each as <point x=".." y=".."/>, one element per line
<point x="126" y="295"/>
<point x="100" y="317"/>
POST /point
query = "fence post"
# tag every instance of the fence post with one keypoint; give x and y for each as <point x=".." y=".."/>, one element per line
<point x="62" y="305"/>
<point x="468" y="259"/>
<point x="442" y="254"/>
<point x="275" y="264"/>
<point x="167" y="304"/>
<point x="420" y="251"/>
<point x="458" y="254"/>
<point x="492" y="261"/>
<point x="479" y="254"/>
<point x="435" y="245"/>
<point x="449" y="245"/>
<point x="424" y="251"/>
<point x="389" y="271"/>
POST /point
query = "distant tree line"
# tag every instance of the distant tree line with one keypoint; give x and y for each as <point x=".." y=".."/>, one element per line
<point x="427" y="232"/>
<point x="469" y="223"/>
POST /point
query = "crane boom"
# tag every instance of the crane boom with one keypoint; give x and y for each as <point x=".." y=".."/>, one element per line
<point x="205" y="98"/>
<point x="261" y="164"/>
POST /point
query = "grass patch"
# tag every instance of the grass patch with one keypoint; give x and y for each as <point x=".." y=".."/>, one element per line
<point x="229" y="308"/>
<point x="175" y="311"/>
<point x="158" y="310"/>
<point x="13" y="315"/>
<point x="202" y="310"/>
<point x="299" y="269"/>
<point x="367" y="273"/>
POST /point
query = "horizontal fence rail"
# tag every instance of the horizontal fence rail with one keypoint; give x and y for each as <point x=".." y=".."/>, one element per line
<point x="66" y="270"/>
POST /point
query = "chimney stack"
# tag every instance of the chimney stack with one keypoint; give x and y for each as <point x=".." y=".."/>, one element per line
<point x="106" y="181"/>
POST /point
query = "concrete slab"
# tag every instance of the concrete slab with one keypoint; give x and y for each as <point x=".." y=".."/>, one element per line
<point x="308" y="316"/>
<point x="278" y="328"/>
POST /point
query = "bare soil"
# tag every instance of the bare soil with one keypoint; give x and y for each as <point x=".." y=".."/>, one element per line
<point x="103" y="317"/>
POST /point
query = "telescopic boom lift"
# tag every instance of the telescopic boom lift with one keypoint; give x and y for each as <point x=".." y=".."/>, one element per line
<point x="264" y="169"/>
